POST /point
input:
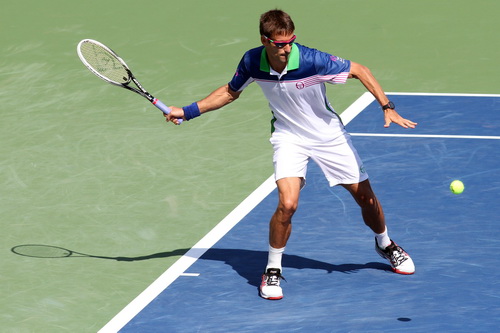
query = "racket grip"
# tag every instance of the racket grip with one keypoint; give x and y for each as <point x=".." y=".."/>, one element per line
<point x="165" y="109"/>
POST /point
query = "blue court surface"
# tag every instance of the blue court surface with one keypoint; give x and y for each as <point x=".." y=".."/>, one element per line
<point x="335" y="282"/>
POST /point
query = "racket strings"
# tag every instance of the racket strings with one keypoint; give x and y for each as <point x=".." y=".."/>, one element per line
<point x="104" y="62"/>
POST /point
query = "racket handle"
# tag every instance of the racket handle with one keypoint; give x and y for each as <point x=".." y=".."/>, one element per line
<point x="165" y="109"/>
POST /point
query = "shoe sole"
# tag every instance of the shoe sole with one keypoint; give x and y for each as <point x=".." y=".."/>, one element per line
<point x="272" y="298"/>
<point x="402" y="272"/>
<point x="393" y="269"/>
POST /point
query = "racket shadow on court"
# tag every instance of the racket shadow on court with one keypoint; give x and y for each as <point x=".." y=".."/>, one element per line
<point x="55" y="252"/>
<point x="247" y="263"/>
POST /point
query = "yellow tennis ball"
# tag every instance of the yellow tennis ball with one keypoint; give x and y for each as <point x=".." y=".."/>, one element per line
<point x="457" y="187"/>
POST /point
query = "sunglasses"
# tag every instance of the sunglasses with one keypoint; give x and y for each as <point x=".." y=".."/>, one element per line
<point x="281" y="43"/>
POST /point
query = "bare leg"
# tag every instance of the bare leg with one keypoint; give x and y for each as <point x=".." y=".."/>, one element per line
<point x="280" y="226"/>
<point x="371" y="209"/>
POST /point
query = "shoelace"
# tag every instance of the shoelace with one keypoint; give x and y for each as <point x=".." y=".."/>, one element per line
<point x="397" y="255"/>
<point x="273" y="279"/>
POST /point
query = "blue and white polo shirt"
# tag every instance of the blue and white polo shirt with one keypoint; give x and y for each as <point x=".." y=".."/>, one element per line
<point x="297" y="96"/>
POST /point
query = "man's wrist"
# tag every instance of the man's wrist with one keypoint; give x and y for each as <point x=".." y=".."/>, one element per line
<point x="191" y="111"/>
<point x="389" y="105"/>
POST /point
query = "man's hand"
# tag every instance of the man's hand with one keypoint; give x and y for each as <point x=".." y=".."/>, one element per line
<point x="391" y="116"/>
<point x="175" y="114"/>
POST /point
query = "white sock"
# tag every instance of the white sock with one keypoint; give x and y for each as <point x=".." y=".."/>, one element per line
<point x="274" y="258"/>
<point x="383" y="239"/>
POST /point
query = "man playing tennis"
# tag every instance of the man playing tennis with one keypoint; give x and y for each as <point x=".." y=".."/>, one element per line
<point x="305" y="127"/>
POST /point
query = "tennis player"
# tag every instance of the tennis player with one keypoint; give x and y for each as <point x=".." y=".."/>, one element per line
<point x="305" y="127"/>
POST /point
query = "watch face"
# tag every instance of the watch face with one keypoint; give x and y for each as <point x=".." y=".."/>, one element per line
<point x="389" y="105"/>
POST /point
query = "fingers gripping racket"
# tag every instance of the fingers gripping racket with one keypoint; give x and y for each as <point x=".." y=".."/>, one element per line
<point x="107" y="65"/>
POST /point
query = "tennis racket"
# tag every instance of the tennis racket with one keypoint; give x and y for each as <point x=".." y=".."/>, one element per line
<point x="107" y="65"/>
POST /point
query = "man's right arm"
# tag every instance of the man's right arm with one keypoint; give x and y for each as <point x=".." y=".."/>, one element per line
<point x="217" y="99"/>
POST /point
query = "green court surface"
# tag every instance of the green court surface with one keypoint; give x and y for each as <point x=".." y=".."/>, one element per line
<point x="95" y="169"/>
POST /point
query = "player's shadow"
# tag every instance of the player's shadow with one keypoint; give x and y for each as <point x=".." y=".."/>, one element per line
<point x="247" y="263"/>
<point x="250" y="264"/>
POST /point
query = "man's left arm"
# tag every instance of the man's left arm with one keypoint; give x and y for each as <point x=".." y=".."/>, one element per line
<point x="363" y="74"/>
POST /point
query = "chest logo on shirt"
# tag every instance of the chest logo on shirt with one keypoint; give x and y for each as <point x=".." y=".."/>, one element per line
<point x="300" y="85"/>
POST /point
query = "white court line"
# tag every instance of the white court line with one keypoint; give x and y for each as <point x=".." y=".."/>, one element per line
<point x="366" y="99"/>
<point x="181" y="265"/>
<point x="359" y="105"/>
<point x="190" y="274"/>
<point x="429" y="136"/>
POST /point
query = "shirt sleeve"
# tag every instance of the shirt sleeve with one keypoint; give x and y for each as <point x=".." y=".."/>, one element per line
<point x="331" y="65"/>
<point x="242" y="77"/>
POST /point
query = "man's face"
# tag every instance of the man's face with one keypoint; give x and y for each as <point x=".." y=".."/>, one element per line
<point x="278" y="47"/>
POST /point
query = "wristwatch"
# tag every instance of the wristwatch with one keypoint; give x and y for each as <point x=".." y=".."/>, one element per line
<point x="389" y="105"/>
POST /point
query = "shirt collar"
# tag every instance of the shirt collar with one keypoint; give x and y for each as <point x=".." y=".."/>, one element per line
<point x="293" y="60"/>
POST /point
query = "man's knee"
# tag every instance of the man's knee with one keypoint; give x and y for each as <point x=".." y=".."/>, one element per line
<point x="363" y="194"/>
<point x="367" y="201"/>
<point x="287" y="208"/>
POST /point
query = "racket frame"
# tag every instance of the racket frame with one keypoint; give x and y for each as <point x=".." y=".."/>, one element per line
<point x="131" y="78"/>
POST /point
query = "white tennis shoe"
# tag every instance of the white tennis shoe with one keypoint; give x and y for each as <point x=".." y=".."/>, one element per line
<point x="400" y="261"/>
<point x="270" y="285"/>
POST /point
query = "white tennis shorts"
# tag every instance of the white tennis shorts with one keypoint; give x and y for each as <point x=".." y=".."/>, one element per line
<point x="338" y="160"/>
